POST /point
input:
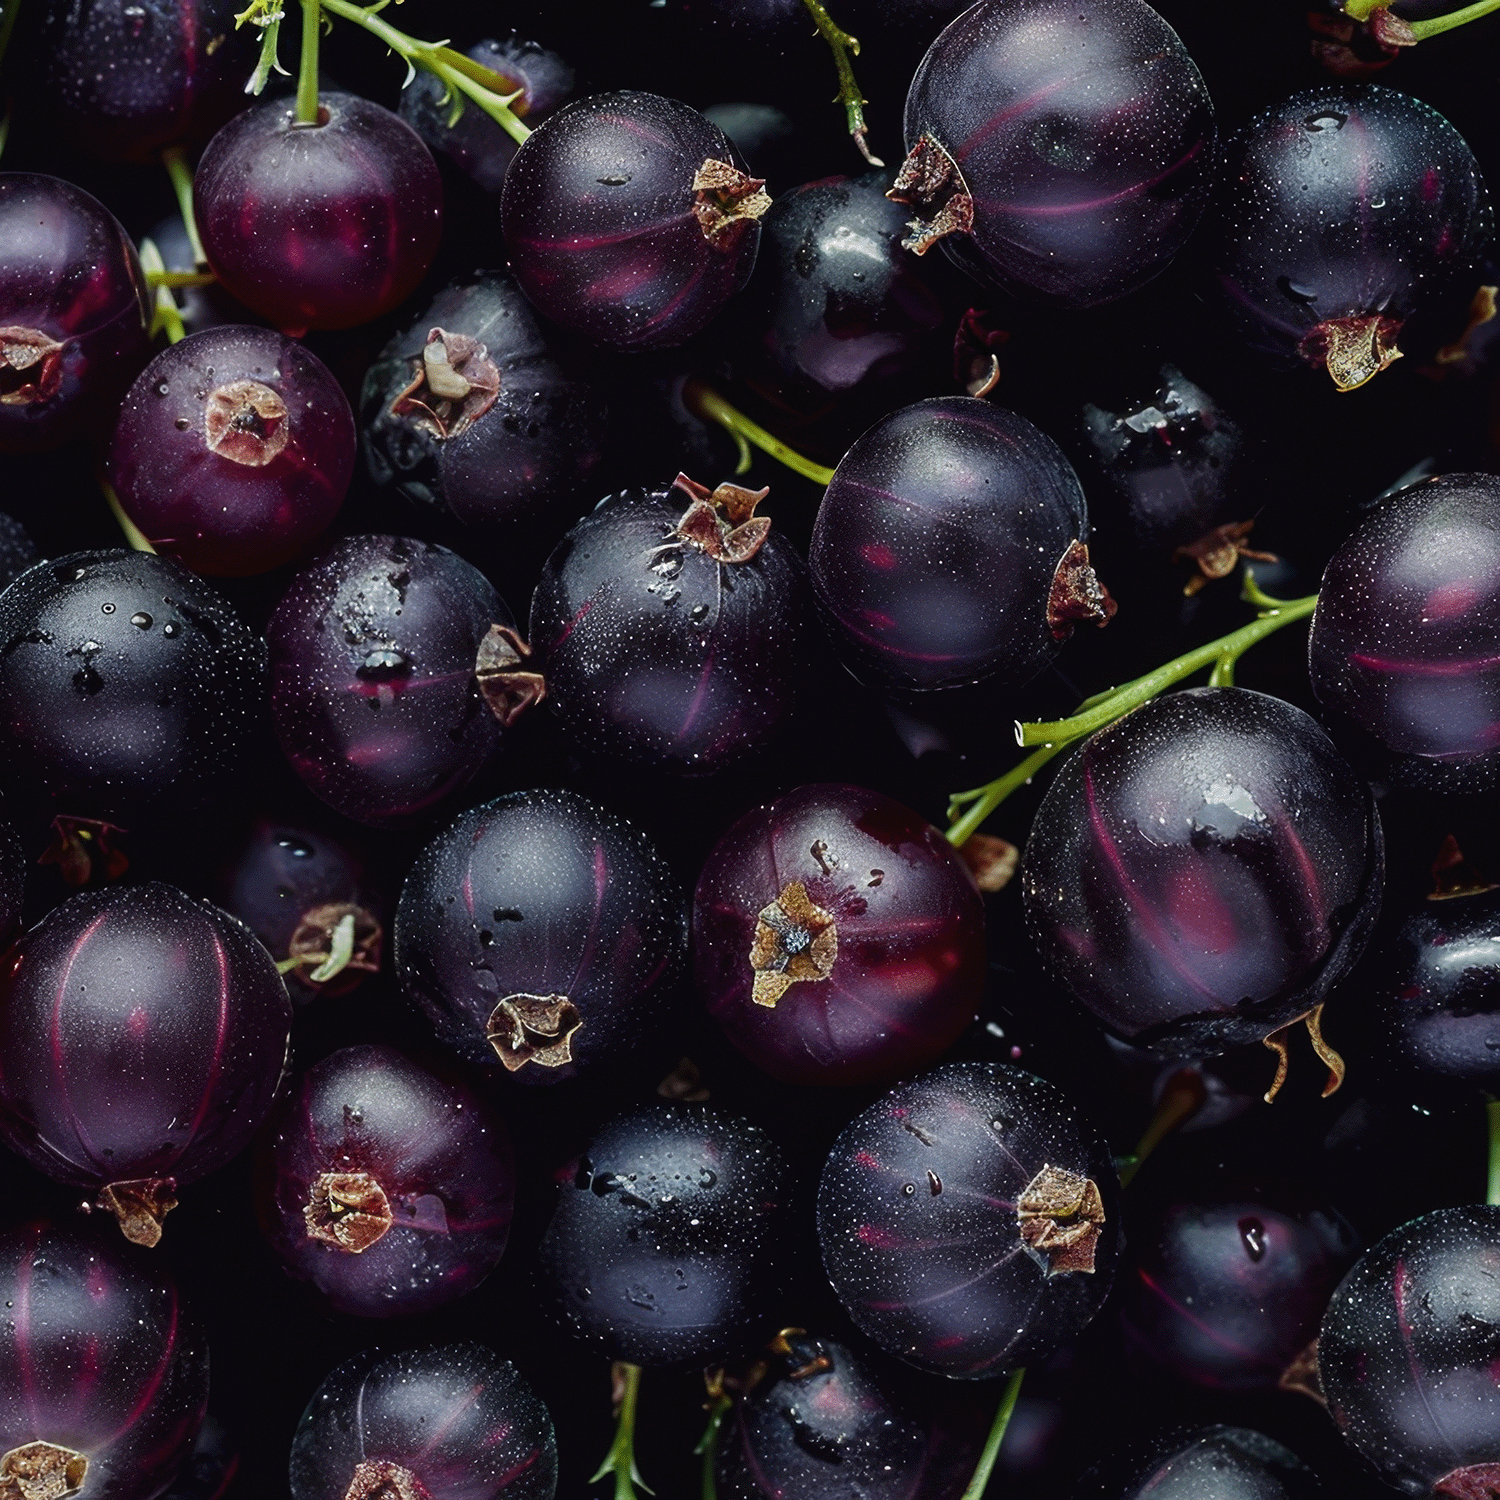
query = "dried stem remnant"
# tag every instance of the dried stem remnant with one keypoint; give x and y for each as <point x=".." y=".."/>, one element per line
<point x="794" y="940"/>
<point x="1061" y="1214"/>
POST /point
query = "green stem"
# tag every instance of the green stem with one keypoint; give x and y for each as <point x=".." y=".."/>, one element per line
<point x="180" y="278"/>
<point x="843" y="46"/>
<point x="174" y="158"/>
<point x="8" y="9"/>
<point x="1492" y="1114"/>
<point x="1180" y="1100"/>
<point x="620" y="1460"/>
<point x="992" y="1443"/>
<point x="990" y="797"/>
<point x="698" y="398"/>
<point x="306" y="111"/>
<point x="454" y="69"/>
<point x="166" y="316"/>
<point x="708" y="1444"/>
<point x="1436" y="25"/>
<point x="133" y="533"/>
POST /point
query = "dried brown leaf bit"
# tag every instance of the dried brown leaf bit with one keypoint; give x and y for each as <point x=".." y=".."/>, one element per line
<point x="1076" y="595"/>
<point x="348" y="1210"/>
<point x="722" y="522"/>
<point x="991" y="861"/>
<point x="41" y="1471"/>
<point x="140" y="1204"/>
<point x="454" y="383"/>
<point x="1279" y="1042"/>
<point x="30" y="366"/>
<point x="794" y="940"/>
<point x="1353" y="350"/>
<point x="1060" y="1216"/>
<point x="381" y="1479"/>
<point x="1301" y="1375"/>
<point x="930" y="184"/>
<point x="1218" y="552"/>
<point x="508" y="686"/>
<point x="245" y="422"/>
<point x="725" y="199"/>
<point x="313" y="945"/>
<point x="533" y="1029"/>
<point x="1476" y="1482"/>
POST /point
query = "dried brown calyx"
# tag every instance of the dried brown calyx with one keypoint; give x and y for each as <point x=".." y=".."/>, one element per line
<point x="533" y="1029"/>
<point x="1302" y="1375"/>
<point x="1454" y="876"/>
<point x="30" y="366"/>
<point x="245" y="422"/>
<point x="41" y="1471"/>
<point x="724" y="199"/>
<point x="992" y="861"/>
<point x="380" y="1479"/>
<point x="1060" y="1215"/>
<point x="140" y="1204"/>
<point x="930" y="184"/>
<point x="1076" y="596"/>
<point x="454" y="382"/>
<point x="722" y="522"/>
<point x="334" y="946"/>
<point x="1353" y="350"/>
<point x="1476" y="1482"/>
<point x="507" y="684"/>
<point x="348" y="1210"/>
<point x="1217" y="554"/>
<point x="795" y="939"/>
<point x="1279" y="1041"/>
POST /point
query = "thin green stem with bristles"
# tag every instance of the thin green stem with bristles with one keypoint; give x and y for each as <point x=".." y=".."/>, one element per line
<point x="620" y="1460"/>
<point x="843" y="46"/>
<point x="1003" y="1414"/>
<point x="174" y="159"/>
<point x="305" y="112"/>
<point x="702" y="401"/>
<point x="967" y="810"/>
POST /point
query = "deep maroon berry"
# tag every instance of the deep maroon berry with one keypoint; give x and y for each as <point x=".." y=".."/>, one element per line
<point x="675" y="627"/>
<point x="542" y="934"/>
<point x="1203" y="870"/>
<point x="128" y="685"/>
<point x="103" y="1374"/>
<point x="373" y="689"/>
<point x="319" y="226"/>
<point x="838" y="937"/>
<point x="471" y="410"/>
<point x="969" y="1221"/>
<point x="1408" y="1350"/>
<point x="1404" y="651"/>
<point x="393" y="1187"/>
<point x="662" y="1248"/>
<point x="145" y="1037"/>
<point x="949" y="547"/>
<point x="631" y="219"/>
<point x="1057" y="151"/>
<point x="1208" y="1463"/>
<point x="455" y="1422"/>
<point x="233" y="450"/>
<point x="1343" y="210"/>
<point x="73" y="313"/>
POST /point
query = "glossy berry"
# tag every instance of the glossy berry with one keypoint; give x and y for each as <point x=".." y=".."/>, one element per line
<point x="453" y="1422"/>
<point x="73" y="313"/>
<point x="144" y="1041"/>
<point x="121" y="81"/>
<point x="969" y="1221"/>
<point x="1206" y="1463"/>
<point x="471" y="410"/>
<point x="631" y="219"/>
<point x="838" y="937"/>
<point x="674" y="627"/>
<point x="1203" y="870"/>
<point x="103" y="1373"/>
<point x="662" y="1247"/>
<point x="373" y="689"/>
<point x="393" y="1187"/>
<point x="233" y="450"/>
<point x="1057" y="152"/>
<point x="474" y="142"/>
<point x="1404" y="651"/>
<point x="128" y="683"/>
<point x="949" y="547"/>
<point x="1344" y="209"/>
<point x="1407" y="1353"/>
<point x="829" y="1422"/>
<point x="318" y="226"/>
<point x="542" y="934"/>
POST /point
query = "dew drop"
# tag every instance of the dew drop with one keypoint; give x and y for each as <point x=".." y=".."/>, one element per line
<point x="1253" y="1237"/>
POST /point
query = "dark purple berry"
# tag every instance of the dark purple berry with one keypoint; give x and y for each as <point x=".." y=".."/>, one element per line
<point x="542" y="934"/>
<point x="838" y="937"/>
<point x="1209" y="1463"/>
<point x="631" y="219"/>
<point x="969" y="1221"/>
<point x="319" y="226"/>
<point x="145" y="1037"/>
<point x="949" y="547"/>
<point x="455" y="1422"/>
<point x="233" y="450"/>
<point x="393" y="1186"/>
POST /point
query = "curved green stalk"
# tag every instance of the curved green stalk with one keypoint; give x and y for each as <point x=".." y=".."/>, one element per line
<point x="305" y="111"/>
<point x="1492" y="1115"/>
<point x="843" y="46"/>
<point x="703" y="402"/>
<point x="708" y="1444"/>
<point x="620" y="1460"/>
<point x="174" y="159"/>
<point x="1003" y="1414"/>
<point x="1436" y="25"/>
<point x="133" y="533"/>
